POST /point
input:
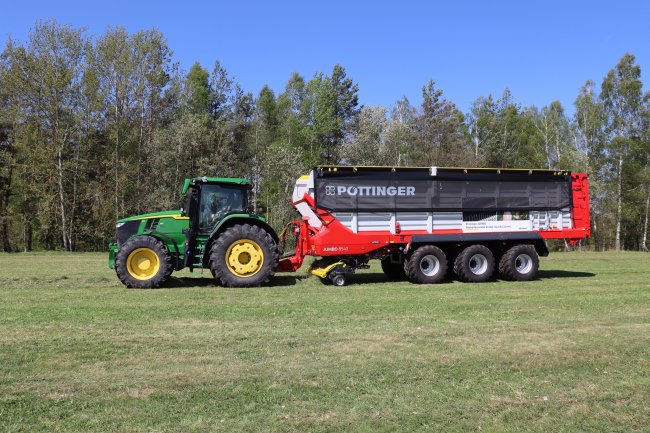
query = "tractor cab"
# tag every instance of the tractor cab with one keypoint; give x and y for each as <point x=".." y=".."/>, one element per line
<point x="210" y="199"/>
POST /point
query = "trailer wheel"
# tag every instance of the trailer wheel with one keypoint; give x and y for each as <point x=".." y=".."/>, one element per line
<point x="338" y="280"/>
<point x="143" y="262"/>
<point x="393" y="266"/>
<point x="519" y="263"/>
<point x="244" y="255"/>
<point x="475" y="264"/>
<point x="426" y="265"/>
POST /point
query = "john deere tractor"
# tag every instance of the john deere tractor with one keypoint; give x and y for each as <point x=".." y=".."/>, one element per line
<point x="215" y="230"/>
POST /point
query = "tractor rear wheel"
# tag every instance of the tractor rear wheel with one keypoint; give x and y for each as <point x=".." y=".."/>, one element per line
<point x="393" y="266"/>
<point x="475" y="264"/>
<point x="244" y="255"/>
<point x="143" y="262"/>
<point x="426" y="265"/>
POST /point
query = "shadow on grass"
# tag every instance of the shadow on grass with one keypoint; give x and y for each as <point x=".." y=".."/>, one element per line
<point x="556" y="273"/>
<point x="187" y="282"/>
<point x="286" y="280"/>
<point x="364" y="278"/>
<point x="370" y="279"/>
<point x="542" y="274"/>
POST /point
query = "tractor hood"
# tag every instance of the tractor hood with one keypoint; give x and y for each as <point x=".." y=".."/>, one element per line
<point x="176" y="214"/>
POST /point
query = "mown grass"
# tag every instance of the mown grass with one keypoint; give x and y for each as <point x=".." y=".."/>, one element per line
<point x="568" y="352"/>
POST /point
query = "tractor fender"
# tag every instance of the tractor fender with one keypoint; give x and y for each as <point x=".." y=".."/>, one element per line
<point x="232" y="220"/>
<point x="168" y="241"/>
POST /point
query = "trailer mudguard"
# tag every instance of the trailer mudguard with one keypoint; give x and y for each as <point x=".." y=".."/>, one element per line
<point x="243" y="218"/>
<point x="511" y="237"/>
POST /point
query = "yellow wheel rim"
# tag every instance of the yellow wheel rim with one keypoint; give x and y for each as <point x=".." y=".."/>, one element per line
<point x="244" y="258"/>
<point x="142" y="263"/>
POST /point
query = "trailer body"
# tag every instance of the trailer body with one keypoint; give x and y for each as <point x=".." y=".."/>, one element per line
<point x="359" y="213"/>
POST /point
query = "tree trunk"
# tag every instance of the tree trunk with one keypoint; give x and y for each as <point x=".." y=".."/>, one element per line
<point x="644" y="244"/>
<point x="28" y="235"/>
<point x="73" y="207"/>
<point x="6" y="246"/>
<point x="138" y="202"/>
<point x="619" y="203"/>
<point x="4" y="203"/>
<point x="64" y="227"/>
<point x="117" y="155"/>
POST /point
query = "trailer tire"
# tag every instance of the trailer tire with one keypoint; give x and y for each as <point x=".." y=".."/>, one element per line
<point x="244" y="255"/>
<point x="394" y="269"/>
<point x="426" y="265"/>
<point x="475" y="264"/>
<point x="519" y="263"/>
<point x="143" y="262"/>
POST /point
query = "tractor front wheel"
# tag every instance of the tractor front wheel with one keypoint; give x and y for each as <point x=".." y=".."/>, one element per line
<point x="244" y="255"/>
<point x="143" y="262"/>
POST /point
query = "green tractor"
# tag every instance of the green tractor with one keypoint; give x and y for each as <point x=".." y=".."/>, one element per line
<point x="215" y="230"/>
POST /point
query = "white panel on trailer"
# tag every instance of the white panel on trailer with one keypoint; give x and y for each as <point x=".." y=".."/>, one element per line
<point x="566" y="219"/>
<point x="413" y="220"/>
<point x="374" y="221"/>
<point x="447" y="220"/>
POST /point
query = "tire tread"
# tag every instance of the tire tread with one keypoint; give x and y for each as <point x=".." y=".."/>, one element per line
<point x="461" y="264"/>
<point x="507" y="268"/>
<point x="143" y="242"/>
<point x="243" y="231"/>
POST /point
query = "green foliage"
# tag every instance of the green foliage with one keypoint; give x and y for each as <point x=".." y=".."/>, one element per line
<point x="441" y="134"/>
<point x="197" y="88"/>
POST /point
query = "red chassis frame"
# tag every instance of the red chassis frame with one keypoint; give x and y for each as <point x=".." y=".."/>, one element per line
<point x="334" y="239"/>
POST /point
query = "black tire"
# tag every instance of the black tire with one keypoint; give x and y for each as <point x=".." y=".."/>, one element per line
<point x="475" y="264"/>
<point x="339" y="280"/>
<point x="519" y="263"/>
<point x="243" y="232"/>
<point x="125" y="263"/>
<point x="426" y="265"/>
<point x="214" y="275"/>
<point x="393" y="266"/>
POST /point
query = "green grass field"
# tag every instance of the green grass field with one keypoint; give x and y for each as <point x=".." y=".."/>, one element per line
<point x="568" y="352"/>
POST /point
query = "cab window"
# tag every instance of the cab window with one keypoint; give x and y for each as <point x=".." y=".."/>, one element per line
<point x="217" y="201"/>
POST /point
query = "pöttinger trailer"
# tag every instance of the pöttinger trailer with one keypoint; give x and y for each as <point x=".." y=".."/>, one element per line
<point x="423" y="221"/>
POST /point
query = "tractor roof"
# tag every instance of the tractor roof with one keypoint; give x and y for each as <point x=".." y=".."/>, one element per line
<point x="208" y="179"/>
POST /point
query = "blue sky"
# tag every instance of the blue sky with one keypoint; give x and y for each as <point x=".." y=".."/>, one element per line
<point x="542" y="51"/>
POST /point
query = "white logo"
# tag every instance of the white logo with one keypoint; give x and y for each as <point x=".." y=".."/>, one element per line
<point x="369" y="191"/>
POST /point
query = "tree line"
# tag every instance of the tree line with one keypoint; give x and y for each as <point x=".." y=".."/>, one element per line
<point x="93" y="129"/>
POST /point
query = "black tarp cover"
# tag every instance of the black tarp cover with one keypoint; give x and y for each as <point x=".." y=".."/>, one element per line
<point x="416" y="190"/>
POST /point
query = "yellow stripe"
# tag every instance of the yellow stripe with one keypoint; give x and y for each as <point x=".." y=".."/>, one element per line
<point x="175" y="216"/>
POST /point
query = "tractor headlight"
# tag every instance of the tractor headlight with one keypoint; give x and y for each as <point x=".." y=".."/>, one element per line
<point x="118" y="225"/>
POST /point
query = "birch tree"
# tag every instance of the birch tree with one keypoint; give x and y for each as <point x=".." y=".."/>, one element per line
<point x="621" y="95"/>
